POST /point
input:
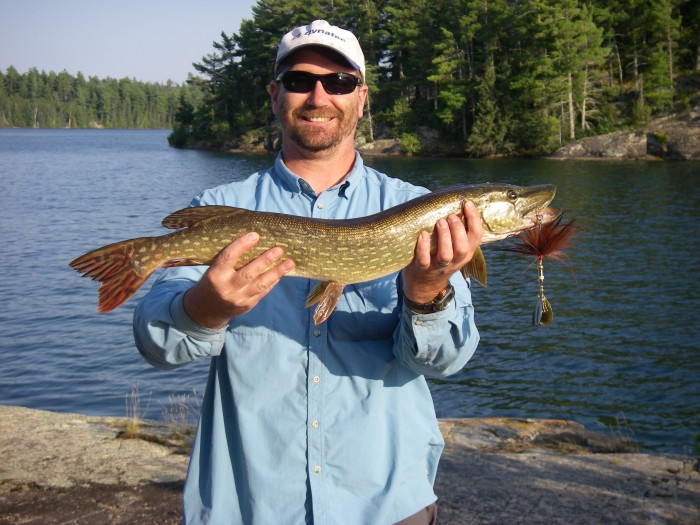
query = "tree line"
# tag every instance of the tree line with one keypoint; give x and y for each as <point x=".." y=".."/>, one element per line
<point x="481" y="77"/>
<point x="61" y="100"/>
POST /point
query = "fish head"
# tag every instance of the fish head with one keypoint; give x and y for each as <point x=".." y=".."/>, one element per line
<point x="507" y="210"/>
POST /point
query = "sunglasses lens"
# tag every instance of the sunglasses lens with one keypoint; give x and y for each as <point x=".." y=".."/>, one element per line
<point x="333" y="83"/>
<point x="298" y="81"/>
<point x="339" y="83"/>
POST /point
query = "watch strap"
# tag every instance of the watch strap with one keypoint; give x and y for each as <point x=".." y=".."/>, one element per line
<point x="438" y="304"/>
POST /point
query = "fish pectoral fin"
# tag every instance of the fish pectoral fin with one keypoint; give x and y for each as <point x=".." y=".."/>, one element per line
<point x="326" y="294"/>
<point x="476" y="268"/>
<point x="190" y="216"/>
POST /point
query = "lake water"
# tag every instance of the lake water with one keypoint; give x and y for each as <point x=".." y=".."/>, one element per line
<point x="622" y="355"/>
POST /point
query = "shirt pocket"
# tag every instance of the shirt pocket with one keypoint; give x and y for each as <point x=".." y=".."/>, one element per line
<point x="366" y="311"/>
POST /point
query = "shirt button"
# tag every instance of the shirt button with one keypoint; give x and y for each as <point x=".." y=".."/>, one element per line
<point x="315" y="423"/>
<point x="316" y="379"/>
<point x="317" y="469"/>
<point x="319" y="205"/>
<point x="317" y="333"/>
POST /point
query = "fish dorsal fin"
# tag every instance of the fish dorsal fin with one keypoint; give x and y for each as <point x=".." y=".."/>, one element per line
<point x="190" y="216"/>
<point x="476" y="268"/>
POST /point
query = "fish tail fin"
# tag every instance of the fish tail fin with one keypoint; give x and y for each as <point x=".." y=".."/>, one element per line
<point x="115" y="267"/>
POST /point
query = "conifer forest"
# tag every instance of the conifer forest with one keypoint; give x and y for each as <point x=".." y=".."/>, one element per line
<point x="480" y="77"/>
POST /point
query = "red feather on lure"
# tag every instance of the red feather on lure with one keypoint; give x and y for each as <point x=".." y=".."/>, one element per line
<point x="546" y="240"/>
<point x="540" y="241"/>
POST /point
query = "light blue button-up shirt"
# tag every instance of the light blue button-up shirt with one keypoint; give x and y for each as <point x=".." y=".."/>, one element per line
<point x="301" y="424"/>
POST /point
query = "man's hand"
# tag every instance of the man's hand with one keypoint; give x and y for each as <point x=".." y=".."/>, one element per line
<point x="429" y="273"/>
<point x="224" y="292"/>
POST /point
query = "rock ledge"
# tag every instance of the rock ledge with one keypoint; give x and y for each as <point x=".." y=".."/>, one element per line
<point x="65" y="468"/>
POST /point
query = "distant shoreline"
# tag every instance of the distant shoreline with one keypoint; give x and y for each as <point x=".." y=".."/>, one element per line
<point x="670" y="138"/>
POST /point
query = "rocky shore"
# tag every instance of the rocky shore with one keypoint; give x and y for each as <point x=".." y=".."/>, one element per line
<point x="72" y="469"/>
<point x="670" y="138"/>
<point x="673" y="137"/>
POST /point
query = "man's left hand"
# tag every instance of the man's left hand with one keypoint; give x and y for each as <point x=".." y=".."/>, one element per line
<point x="456" y="241"/>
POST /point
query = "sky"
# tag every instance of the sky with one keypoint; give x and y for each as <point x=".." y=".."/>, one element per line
<point x="148" y="40"/>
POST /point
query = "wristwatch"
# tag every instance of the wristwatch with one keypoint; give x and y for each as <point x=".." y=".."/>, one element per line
<point x="438" y="304"/>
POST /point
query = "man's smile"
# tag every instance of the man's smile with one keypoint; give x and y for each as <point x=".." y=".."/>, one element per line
<point x="318" y="119"/>
<point x="315" y="117"/>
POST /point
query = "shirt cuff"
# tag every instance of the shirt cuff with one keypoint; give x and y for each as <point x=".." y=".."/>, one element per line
<point x="190" y="328"/>
<point x="428" y="330"/>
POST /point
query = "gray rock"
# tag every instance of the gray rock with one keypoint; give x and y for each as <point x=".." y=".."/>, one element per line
<point x="67" y="468"/>
<point x="670" y="138"/>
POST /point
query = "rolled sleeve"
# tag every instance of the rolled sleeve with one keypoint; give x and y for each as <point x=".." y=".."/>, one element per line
<point x="165" y="335"/>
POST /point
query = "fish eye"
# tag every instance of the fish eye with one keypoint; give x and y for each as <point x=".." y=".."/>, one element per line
<point x="512" y="195"/>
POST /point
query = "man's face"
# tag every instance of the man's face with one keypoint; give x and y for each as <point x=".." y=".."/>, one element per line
<point x="317" y="121"/>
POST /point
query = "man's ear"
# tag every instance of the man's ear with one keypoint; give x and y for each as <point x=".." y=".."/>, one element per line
<point x="274" y="95"/>
<point x="362" y="98"/>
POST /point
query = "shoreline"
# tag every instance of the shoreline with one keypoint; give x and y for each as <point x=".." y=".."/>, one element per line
<point x="71" y="468"/>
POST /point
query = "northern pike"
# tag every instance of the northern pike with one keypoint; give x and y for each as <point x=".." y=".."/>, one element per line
<point x="336" y="252"/>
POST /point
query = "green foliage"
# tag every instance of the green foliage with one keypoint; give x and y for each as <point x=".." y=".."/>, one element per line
<point x="410" y="143"/>
<point x="60" y="100"/>
<point x="486" y="77"/>
<point x="641" y="113"/>
<point x="488" y="134"/>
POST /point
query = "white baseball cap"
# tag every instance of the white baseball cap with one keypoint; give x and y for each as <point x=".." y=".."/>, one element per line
<point x="321" y="33"/>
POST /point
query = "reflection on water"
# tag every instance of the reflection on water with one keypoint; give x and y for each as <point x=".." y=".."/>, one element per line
<point x="623" y="347"/>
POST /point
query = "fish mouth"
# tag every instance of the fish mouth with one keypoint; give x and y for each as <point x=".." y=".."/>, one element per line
<point x="541" y="213"/>
<point x="538" y="217"/>
<point x="543" y="216"/>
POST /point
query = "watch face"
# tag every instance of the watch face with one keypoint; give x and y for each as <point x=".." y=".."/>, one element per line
<point x="444" y="299"/>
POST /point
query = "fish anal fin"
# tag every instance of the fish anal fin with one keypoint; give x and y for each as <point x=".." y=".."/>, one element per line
<point x="190" y="216"/>
<point x="476" y="268"/>
<point x="327" y="294"/>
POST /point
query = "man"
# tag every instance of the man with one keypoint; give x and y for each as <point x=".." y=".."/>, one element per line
<point x="327" y="424"/>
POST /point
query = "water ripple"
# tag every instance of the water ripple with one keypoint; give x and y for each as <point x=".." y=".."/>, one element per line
<point x="622" y="355"/>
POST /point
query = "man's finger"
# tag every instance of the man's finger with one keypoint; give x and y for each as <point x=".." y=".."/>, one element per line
<point x="272" y="276"/>
<point x="229" y="256"/>
<point x="475" y="229"/>
<point x="444" y="253"/>
<point x="253" y="269"/>
<point x="459" y="238"/>
<point x="422" y="254"/>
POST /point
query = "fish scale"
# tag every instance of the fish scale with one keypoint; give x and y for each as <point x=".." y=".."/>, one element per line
<point x="342" y="251"/>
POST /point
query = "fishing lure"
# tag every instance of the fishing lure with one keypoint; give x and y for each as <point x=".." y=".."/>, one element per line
<point x="541" y="241"/>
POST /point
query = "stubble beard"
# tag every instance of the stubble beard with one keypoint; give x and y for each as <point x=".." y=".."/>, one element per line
<point x="315" y="141"/>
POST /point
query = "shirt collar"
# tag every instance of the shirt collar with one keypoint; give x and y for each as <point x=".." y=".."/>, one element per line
<point x="295" y="184"/>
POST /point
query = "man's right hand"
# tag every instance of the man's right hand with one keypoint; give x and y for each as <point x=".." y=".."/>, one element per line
<point x="224" y="292"/>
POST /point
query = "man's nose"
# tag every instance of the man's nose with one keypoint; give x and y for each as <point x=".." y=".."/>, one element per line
<point x="318" y="95"/>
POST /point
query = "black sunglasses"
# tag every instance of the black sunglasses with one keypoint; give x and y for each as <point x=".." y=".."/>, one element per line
<point x="333" y="83"/>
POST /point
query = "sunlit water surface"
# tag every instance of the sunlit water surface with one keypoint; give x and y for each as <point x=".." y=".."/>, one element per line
<point x="622" y="355"/>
